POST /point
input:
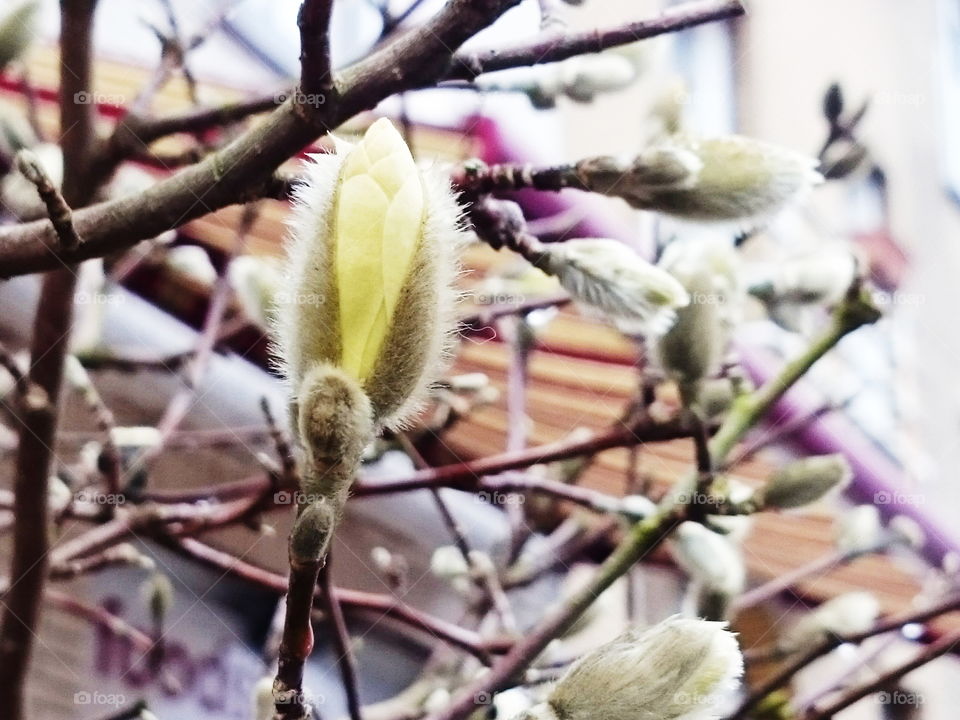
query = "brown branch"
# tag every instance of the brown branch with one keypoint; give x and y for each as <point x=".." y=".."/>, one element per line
<point x="929" y="654"/>
<point x="59" y="212"/>
<point x="52" y="323"/>
<point x="555" y="47"/>
<point x="316" y="75"/>
<point x="784" y="676"/>
<point x="351" y="600"/>
<point x="296" y="643"/>
<point x="241" y="169"/>
<point x="341" y="642"/>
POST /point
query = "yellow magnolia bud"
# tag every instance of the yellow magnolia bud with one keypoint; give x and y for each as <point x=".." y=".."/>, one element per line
<point x="371" y="258"/>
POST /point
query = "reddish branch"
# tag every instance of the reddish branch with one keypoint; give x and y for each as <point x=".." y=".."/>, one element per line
<point x="341" y="642"/>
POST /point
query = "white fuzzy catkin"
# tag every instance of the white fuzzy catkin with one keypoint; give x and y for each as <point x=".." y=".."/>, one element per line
<point x="708" y="267"/>
<point x="846" y="614"/>
<point x="858" y="529"/>
<point x="678" y="669"/>
<point x="734" y="179"/>
<point x="806" y="481"/>
<point x="714" y="564"/>
<point x="611" y="277"/>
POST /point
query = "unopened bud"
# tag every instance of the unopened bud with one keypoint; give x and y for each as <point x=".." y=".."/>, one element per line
<point x="846" y="614"/>
<point x="715" y="566"/>
<point x="679" y="668"/>
<point x="17" y="31"/>
<point x="158" y="593"/>
<point x="312" y="531"/>
<point x="858" y="529"/>
<point x="609" y="276"/>
<point x="447" y="562"/>
<point x="805" y="481"/>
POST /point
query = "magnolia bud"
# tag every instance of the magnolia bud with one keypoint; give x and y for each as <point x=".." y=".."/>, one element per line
<point x="732" y="179"/>
<point x="846" y="614"/>
<point x="371" y="260"/>
<point x="158" y="594"/>
<point x="611" y="277"/>
<point x="313" y="530"/>
<point x="256" y="281"/>
<point x="822" y="277"/>
<point x="679" y="668"/>
<point x="20" y="195"/>
<point x="17" y="30"/>
<point x="908" y="531"/>
<point x="448" y="562"/>
<point x="714" y="564"/>
<point x="193" y="262"/>
<point x="858" y="529"/>
<point x="136" y="437"/>
<point x="805" y="481"/>
<point x="263" y="704"/>
<point x="694" y="346"/>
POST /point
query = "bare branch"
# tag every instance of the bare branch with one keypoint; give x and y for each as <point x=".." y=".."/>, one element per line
<point x="57" y="209"/>
<point x="316" y="75"/>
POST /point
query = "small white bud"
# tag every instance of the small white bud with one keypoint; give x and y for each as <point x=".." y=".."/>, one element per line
<point x="806" y="481"/>
<point x="436" y="700"/>
<point x="858" y="529"/>
<point x="138" y="437"/>
<point x="193" y="262"/>
<point x="637" y="506"/>
<point x="58" y="495"/>
<point x="263" y="703"/>
<point x="382" y="558"/>
<point x="611" y="277"/>
<point x="908" y="530"/>
<point x="19" y="195"/>
<point x="817" y="278"/>
<point x="482" y="563"/>
<point x="448" y="562"/>
<point x="469" y="382"/>
<point x="679" y="668"/>
<point x="712" y="561"/>
<point x="846" y="614"/>
<point x="256" y="281"/>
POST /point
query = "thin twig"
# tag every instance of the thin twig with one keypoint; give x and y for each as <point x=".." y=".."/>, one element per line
<point x="341" y="642"/>
<point x="60" y="214"/>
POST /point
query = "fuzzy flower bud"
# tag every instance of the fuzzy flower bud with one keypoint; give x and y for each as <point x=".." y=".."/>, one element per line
<point x="819" y="278"/>
<point x="256" y="281"/>
<point x="694" y="346"/>
<point x="678" y="669"/>
<point x="721" y="179"/>
<point x="370" y="262"/>
<point x="17" y="30"/>
<point x="448" y="562"/>
<point x="858" y="529"/>
<point x="846" y="614"/>
<point x="368" y="311"/>
<point x="805" y="481"/>
<point x="715" y="566"/>
<point x="611" y="277"/>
